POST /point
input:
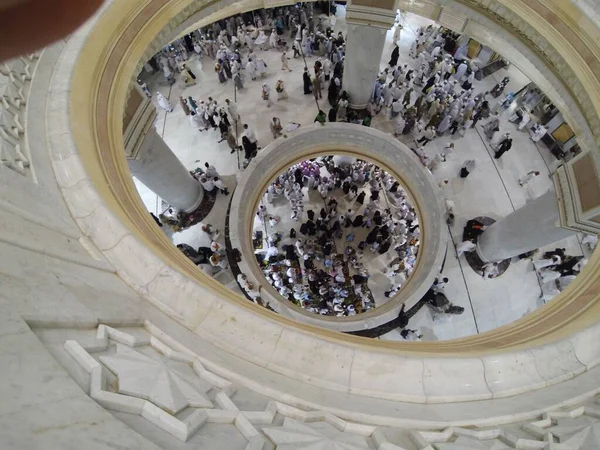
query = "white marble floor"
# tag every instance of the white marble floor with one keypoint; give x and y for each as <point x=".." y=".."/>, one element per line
<point x="492" y="189"/>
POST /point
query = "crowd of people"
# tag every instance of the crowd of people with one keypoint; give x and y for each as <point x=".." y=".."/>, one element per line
<point x="322" y="264"/>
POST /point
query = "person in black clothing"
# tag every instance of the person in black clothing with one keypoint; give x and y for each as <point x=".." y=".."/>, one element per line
<point x="371" y="237"/>
<point x="377" y="219"/>
<point x="402" y="318"/>
<point x="505" y="146"/>
<point x="307" y="82"/>
<point x="560" y="252"/>
<point x="394" y="58"/>
<point x="384" y="247"/>
<point x="358" y="221"/>
<point x="311" y="214"/>
<point x="248" y="148"/>
<point x="429" y="84"/>
<point x="332" y="94"/>
<point x="332" y="116"/>
<point x="299" y="177"/>
<point x="361" y="198"/>
<point x="346" y="187"/>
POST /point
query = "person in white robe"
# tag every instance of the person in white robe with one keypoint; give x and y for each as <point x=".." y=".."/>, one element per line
<point x="251" y="69"/>
<point x="528" y="177"/>
<point x="273" y="39"/>
<point x="460" y="72"/>
<point x="465" y="247"/>
<point x="163" y="102"/>
<point x="261" y="67"/>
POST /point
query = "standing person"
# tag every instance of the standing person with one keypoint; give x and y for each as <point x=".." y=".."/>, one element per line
<point x="467" y="167"/>
<point x="248" y="148"/>
<point x="251" y="69"/>
<point x="306" y="81"/>
<point x="249" y="133"/>
<point x="528" y="177"/>
<point x="232" y="110"/>
<point x="220" y="72"/>
<point x="332" y="116"/>
<point x="184" y="105"/>
<point x="342" y="110"/>
<point x="284" y="61"/>
<point x="163" y="102"/>
<point x="261" y="67"/>
<point x="321" y="117"/>
<point x="505" y="146"/>
<point x="237" y="79"/>
<point x="276" y="127"/>
<point x="145" y="89"/>
<point x="316" y="81"/>
<point x="230" y="138"/>
<point x="221" y="186"/>
<point x="266" y="94"/>
<point x="395" y="54"/>
<point x="280" y="89"/>
<point x="427" y="137"/>
<point x="197" y="121"/>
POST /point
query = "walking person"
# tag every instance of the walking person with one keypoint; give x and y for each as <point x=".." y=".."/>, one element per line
<point x="316" y="81"/>
<point x="505" y="146"/>
<point x="163" y="102"/>
<point x="528" y="177"/>
<point x="266" y="94"/>
<point x="276" y="127"/>
<point x="467" y="167"/>
<point x="306" y="81"/>
<point x="280" y="89"/>
<point x="284" y="62"/>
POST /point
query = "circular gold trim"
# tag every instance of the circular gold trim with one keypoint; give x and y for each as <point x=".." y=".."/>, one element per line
<point x="99" y="88"/>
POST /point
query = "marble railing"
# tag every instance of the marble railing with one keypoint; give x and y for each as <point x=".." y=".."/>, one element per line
<point x="363" y="143"/>
<point x="15" y="78"/>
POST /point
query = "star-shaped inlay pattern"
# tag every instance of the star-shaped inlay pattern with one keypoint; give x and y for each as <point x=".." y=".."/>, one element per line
<point x="154" y="380"/>
<point x="581" y="433"/>
<point x="463" y="443"/>
<point x="295" y="435"/>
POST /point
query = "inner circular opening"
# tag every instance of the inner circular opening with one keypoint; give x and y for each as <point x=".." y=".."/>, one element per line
<point x="336" y="235"/>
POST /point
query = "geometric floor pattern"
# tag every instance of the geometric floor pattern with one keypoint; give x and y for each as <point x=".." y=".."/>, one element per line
<point x="145" y="372"/>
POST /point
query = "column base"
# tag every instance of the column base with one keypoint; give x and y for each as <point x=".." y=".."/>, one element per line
<point x="198" y="201"/>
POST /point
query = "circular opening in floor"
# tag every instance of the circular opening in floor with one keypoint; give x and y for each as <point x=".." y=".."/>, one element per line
<point x="336" y="235"/>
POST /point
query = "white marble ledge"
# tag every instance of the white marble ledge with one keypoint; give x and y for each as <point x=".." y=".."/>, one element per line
<point x="102" y="227"/>
<point x="318" y="362"/>
<point x="454" y="379"/>
<point x="236" y="330"/>
<point x="82" y="198"/>
<point x="512" y="374"/>
<point x="184" y="296"/>
<point x="397" y="378"/>
<point x="69" y="171"/>
<point x="136" y="262"/>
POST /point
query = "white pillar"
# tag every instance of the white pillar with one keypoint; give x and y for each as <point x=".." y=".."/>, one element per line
<point x="364" y="46"/>
<point x="534" y="225"/>
<point x="160" y="170"/>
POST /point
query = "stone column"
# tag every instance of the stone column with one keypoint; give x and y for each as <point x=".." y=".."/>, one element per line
<point x="534" y="225"/>
<point x="364" y="46"/>
<point x="160" y="170"/>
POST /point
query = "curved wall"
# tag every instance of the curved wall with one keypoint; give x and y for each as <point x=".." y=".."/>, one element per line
<point x="359" y="142"/>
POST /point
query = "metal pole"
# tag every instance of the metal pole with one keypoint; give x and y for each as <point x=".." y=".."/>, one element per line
<point x="306" y="67"/>
<point x="237" y="147"/>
